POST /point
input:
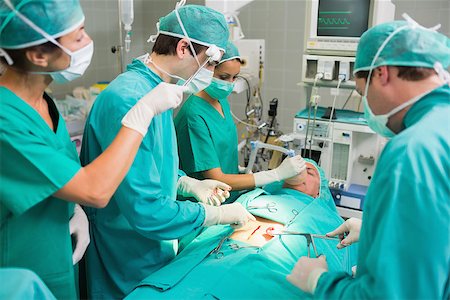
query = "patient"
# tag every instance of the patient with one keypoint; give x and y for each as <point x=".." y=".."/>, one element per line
<point x="249" y="264"/>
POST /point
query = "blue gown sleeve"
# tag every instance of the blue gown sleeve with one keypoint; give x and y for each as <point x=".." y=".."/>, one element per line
<point x="404" y="242"/>
<point x="32" y="168"/>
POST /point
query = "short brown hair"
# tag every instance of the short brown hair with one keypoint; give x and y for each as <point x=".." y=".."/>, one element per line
<point x="167" y="45"/>
<point x="405" y="73"/>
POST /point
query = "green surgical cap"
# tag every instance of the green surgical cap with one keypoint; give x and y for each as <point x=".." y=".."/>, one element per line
<point x="55" y="17"/>
<point x="203" y="25"/>
<point x="231" y="52"/>
<point x="412" y="46"/>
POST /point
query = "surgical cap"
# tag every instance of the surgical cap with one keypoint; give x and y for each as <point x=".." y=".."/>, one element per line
<point x="55" y="17"/>
<point x="203" y="25"/>
<point x="412" y="46"/>
<point x="231" y="52"/>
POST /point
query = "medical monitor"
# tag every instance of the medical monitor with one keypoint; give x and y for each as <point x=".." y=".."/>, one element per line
<point x="335" y="26"/>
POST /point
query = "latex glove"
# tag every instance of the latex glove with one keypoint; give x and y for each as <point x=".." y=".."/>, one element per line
<point x="290" y="167"/>
<point x="207" y="191"/>
<point x="234" y="214"/>
<point x="306" y="273"/>
<point x="79" y="229"/>
<point x="241" y="170"/>
<point x="161" y="98"/>
<point x="351" y="226"/>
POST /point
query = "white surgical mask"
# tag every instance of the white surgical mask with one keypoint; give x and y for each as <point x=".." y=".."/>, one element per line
<point x="79" y="60"/>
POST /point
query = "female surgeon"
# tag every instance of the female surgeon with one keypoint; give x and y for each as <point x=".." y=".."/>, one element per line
<point x="207" y="136"/>
<point x="40" y="42"/>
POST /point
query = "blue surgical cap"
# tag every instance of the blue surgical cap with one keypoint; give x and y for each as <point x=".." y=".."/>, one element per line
<point x="55" y="17"/>
<point x="203" y="25"/>
<point x="231" y="52"/>
<point x="412" y="46"/>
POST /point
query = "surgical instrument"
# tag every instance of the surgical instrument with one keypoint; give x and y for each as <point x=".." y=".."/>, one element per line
<point x="271" y="207"/>
<point x="216" y="250"/>
<point x="308" y="236"/>
<point x="237" y="247"/>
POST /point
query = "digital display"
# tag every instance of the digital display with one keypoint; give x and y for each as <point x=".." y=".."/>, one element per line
<point x="343" y="18"/>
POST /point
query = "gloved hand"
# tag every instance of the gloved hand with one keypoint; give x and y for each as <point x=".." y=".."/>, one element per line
<point x="306" y="273"/>
<point x="241" y="169"/>
<point x="79" y="229"/>
<point x="234" y="214"/>
<point x="290" y="167"/>
<point x="207" y="191"/>
<point x="351" y="226"/>
<point x="163" y="97"/>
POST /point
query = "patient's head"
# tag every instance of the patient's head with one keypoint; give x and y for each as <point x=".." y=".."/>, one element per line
<point x="307" y="182"/>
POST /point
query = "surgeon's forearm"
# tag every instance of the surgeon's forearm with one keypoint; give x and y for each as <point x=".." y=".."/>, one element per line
<point x="95" y="183"/>
<point x="236" y="181"/>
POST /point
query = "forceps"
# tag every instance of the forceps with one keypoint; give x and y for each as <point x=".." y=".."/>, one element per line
<point x="308" y="236"/>
<point x="237" y="247"/>
<point x="271" y="207"/>
<point x="217" y="251"/>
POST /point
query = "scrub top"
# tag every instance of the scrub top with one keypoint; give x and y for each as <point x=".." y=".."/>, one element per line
<point x="134" y="234"/>
<point x="404" y="243"/>
<point x="206" y="140"/>
<point x="35" y="162"/>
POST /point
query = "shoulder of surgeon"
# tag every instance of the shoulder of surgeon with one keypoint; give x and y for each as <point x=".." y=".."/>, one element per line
<point x="421" y="149"/>
<point x="192" y="109"/>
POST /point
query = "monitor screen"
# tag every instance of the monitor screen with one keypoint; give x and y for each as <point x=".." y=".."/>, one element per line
<point x="343" y="18"/>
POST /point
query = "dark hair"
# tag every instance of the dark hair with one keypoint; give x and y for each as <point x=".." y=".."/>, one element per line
<point x="167" y="45"/>
<point x="19" y="58"/>
<point x="405" y="73"/>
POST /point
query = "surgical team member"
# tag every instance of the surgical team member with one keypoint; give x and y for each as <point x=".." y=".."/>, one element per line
<point x="404" y="247"/>
<point x="40" y="42"/>
<point x="207" y="136"/>
<point x="134" y="235"/>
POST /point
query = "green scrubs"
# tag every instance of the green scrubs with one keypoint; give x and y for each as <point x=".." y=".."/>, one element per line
<point x="35" y="162"/>
<point x="134" y="234"/>
<point x="404" y="244"/>
<point x="206" y="140"/>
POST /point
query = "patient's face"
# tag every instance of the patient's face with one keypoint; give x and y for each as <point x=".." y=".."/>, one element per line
<point x="307" y="182"/>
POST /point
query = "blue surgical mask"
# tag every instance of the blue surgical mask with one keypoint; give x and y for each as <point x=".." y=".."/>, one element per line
<point x="219" y="89"/>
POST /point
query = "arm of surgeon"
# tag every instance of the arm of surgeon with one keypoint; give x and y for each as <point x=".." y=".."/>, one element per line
<point x="94" y="184"/>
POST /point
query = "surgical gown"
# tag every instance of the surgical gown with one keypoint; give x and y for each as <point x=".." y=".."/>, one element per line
<point x="133" y="235"/>
<point x="404" y="244"/>
<point x="35" y="162"/>
<point x="206" y="139"/>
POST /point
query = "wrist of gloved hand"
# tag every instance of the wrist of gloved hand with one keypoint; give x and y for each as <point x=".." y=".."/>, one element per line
<point x="313" y="279"/>
<point x="138" y="118"/>
<point x="265" y="177"/>
<point x="184" y="186"/>
<point x="207" y="191"/>
<point x="234" y="214"/>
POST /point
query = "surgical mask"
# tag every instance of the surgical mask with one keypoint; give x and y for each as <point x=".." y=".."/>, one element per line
<point x="79" y="60"/>
<point x="219" y="89"/>
<point x="378" y="123"/>
<point x="201" y="80"/>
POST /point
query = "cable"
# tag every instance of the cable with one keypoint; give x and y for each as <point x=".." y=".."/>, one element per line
<point x="348" y="98"/>
<point x="313" y="100"/>
<point x="341" y="78"/>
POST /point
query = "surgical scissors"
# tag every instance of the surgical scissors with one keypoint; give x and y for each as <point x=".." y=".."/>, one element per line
<point x="219" y="254"/>
<point x="271" y="207"/>
<point x="308" y="236"/>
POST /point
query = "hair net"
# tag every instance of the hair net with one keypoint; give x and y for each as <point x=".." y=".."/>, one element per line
<point x="55" y="17"/>
<point x="201" y="24"/>
<point x="231" y="52"/>
<point x="410" y="45"/>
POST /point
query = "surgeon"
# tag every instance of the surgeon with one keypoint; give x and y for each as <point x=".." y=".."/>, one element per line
<point x="404" y="243"/>
<point x="135" y="234"/>
<point x="41" y="176"/>
<point x="207" y="135"/>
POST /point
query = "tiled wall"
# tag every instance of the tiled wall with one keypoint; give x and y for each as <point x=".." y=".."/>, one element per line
<point x="279" y="22"/>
